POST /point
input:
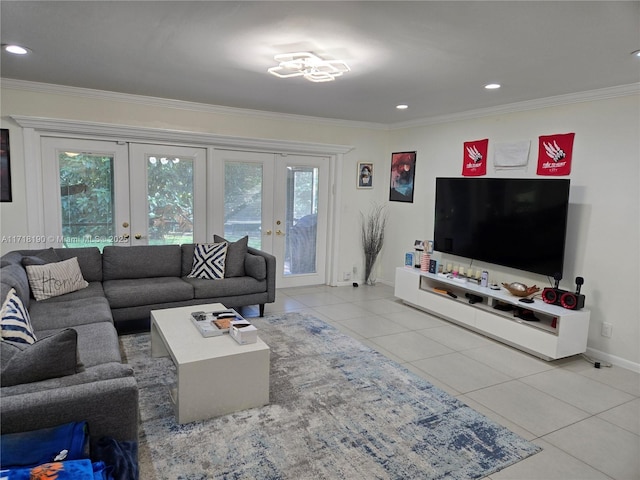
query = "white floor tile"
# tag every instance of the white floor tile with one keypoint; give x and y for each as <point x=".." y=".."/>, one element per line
<point x="549" y="464"/>
<point x="578" y="390"/>
<point x="508" y="360"/>
<point x="456" y="338"/>
<point x="532" y="409"/>
<point x="602" y="445"/>
<point x="625" y="416"/>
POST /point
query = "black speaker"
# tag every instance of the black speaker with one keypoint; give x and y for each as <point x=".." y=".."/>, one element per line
<point x="564" y="298"/>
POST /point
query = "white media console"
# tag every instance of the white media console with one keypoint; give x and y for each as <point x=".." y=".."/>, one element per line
<point x="556" y="333"/>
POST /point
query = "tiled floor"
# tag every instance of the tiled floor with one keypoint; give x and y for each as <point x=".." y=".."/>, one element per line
<point x="586" y="419"/>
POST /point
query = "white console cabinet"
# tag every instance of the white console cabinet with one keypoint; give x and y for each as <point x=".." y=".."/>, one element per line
<point x="550" y="332"/>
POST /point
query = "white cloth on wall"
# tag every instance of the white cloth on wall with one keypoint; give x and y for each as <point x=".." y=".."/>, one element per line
<point x="511" y="155"/>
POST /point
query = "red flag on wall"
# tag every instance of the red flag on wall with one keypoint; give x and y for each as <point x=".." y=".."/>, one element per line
<point x="474" y="158"/>
<point x="554" y="154"/>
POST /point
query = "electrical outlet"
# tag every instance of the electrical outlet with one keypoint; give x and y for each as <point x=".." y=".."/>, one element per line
<point x="346" y="276"/>
<point x="607" y="329"/>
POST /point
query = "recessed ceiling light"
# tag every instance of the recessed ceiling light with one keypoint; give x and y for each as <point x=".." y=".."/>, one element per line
<point x="402" y="106"/>
<point x="16" y="49"/>
<point x="492" y="86"/>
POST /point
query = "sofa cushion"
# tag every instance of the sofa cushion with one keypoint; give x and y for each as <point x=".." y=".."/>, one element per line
<point x="229" y="287"/>
<point x="15" y="324"/>
<point x="50" y="357"/>
<point x="97" y="343"/>
<point x="143" y="261"/>
<point x="89" y="259"/>
<point x="71" y="313"/>
<point x="255" y="266"/>
<point x="15" y="276"/>
<point x="55" y="279"/>
<point x="234" y="264"/>
<point x="208" y="261"/>
<point x="146" y="291"/>
<point x="11" y="258"/>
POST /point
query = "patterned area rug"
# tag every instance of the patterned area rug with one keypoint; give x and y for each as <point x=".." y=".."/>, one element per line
<point x="338" y="410"/>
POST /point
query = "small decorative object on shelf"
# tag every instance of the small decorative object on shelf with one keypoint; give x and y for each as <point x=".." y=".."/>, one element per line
<point x="424" y="262"/>
<point x="520" y="289"/>
<point x="408" y="259"/>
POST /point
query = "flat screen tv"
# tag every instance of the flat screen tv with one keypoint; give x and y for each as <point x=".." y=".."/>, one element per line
<point x="515" y="222"/>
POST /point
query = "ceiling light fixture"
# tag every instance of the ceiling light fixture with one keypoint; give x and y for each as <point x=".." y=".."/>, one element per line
<point x="492" y="86"/>
<point x="402" y="106"/>
<point x="636" y="53"/>
<point x="309" y="66"/>
<point x="16" y="49"/>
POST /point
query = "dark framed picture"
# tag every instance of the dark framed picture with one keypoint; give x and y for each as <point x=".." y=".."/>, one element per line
<point x="365" y="175"/>
<point x="403" y="172"/>
<point x="5" y="166"/>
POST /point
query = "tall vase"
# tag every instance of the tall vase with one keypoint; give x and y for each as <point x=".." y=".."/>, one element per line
<point x="369" y="269"/>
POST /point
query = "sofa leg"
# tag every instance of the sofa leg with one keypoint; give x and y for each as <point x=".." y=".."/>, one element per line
<point x="262" y="309"/>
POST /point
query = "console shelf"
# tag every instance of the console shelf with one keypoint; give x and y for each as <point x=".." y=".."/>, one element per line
<point x="547" y="331"/>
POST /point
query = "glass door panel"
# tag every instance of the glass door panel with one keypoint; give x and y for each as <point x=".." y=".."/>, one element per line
<point x="87" y="199"/>
<point x="169" y="199"/>
<point x="168" y="194"/>
<point x="85" y="193"/>
<point x="243" y="202"/>
<point x="302" y="220"/>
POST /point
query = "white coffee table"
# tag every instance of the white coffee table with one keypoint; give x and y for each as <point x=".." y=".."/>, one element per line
<point x="216" y="375"/>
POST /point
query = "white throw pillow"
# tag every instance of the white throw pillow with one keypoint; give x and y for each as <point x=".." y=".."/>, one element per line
<point x="16" y="324"/>
<point x="55" y="279"/>
<point x="208" y="261"/>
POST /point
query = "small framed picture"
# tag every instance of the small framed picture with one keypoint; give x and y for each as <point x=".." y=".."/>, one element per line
<point x="365" y="175"/>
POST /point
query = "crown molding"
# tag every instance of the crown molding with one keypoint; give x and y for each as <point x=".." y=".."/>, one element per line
<point x="558" y="100"/>
<point x="134" y="133"/>
<point x="50" y="88"/>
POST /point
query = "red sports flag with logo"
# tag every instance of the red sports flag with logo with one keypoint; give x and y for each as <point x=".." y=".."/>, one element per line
<point x="554" y="154"/>
<point x="474" y="158"/>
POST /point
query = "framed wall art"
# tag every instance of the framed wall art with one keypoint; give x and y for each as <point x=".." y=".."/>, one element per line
<point x="365" y="175"/>
<point x="5" y="166"/>
<point x="403" y="172"/>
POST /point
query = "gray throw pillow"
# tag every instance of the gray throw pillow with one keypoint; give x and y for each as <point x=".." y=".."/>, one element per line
<point x="50" y="357"/>
<point x="234" y="263"/>
<point x="41" y="257"/>
<point x="256" y="266"/>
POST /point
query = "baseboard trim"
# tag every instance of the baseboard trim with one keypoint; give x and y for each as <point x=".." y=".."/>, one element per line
<point x="612" y="359"/>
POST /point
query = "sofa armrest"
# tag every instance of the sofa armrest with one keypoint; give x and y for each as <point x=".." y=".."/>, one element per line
<point x="270" y="261"/>
<point x="109" y="406"/>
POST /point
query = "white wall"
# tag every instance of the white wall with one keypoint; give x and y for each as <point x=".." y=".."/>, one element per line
<point x="603" y="238"/>
<point x="604" y="232"/>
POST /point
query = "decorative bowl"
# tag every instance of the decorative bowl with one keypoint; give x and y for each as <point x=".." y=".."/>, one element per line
<point x="520" y="289"/>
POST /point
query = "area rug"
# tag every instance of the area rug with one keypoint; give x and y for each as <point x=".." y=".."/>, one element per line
<point x="338" y="410"/>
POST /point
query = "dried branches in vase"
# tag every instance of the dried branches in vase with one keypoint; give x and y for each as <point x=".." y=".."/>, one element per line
<point x="373" y="226"/>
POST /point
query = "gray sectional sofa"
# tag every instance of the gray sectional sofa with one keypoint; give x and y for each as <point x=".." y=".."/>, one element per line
<point x="56" y="383"/>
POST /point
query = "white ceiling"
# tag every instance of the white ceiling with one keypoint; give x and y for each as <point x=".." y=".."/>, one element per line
<point x="434" y="56"/>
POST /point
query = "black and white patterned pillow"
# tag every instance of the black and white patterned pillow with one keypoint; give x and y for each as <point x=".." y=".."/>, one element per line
<point x="208" y="261"/>
<point x="15" y="325"/>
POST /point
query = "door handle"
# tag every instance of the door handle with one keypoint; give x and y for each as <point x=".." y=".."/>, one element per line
<point x="268" y="232"/>
<point x="126" y="236"/>
<point x="138" y="236"/>
<point x="280" y="232"/>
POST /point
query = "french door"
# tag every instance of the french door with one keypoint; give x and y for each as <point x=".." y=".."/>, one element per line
<point x="281" y="203"/>
<point x="99" y="193"/>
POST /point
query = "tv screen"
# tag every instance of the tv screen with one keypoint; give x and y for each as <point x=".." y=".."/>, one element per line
<point x="515" y="222"/>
